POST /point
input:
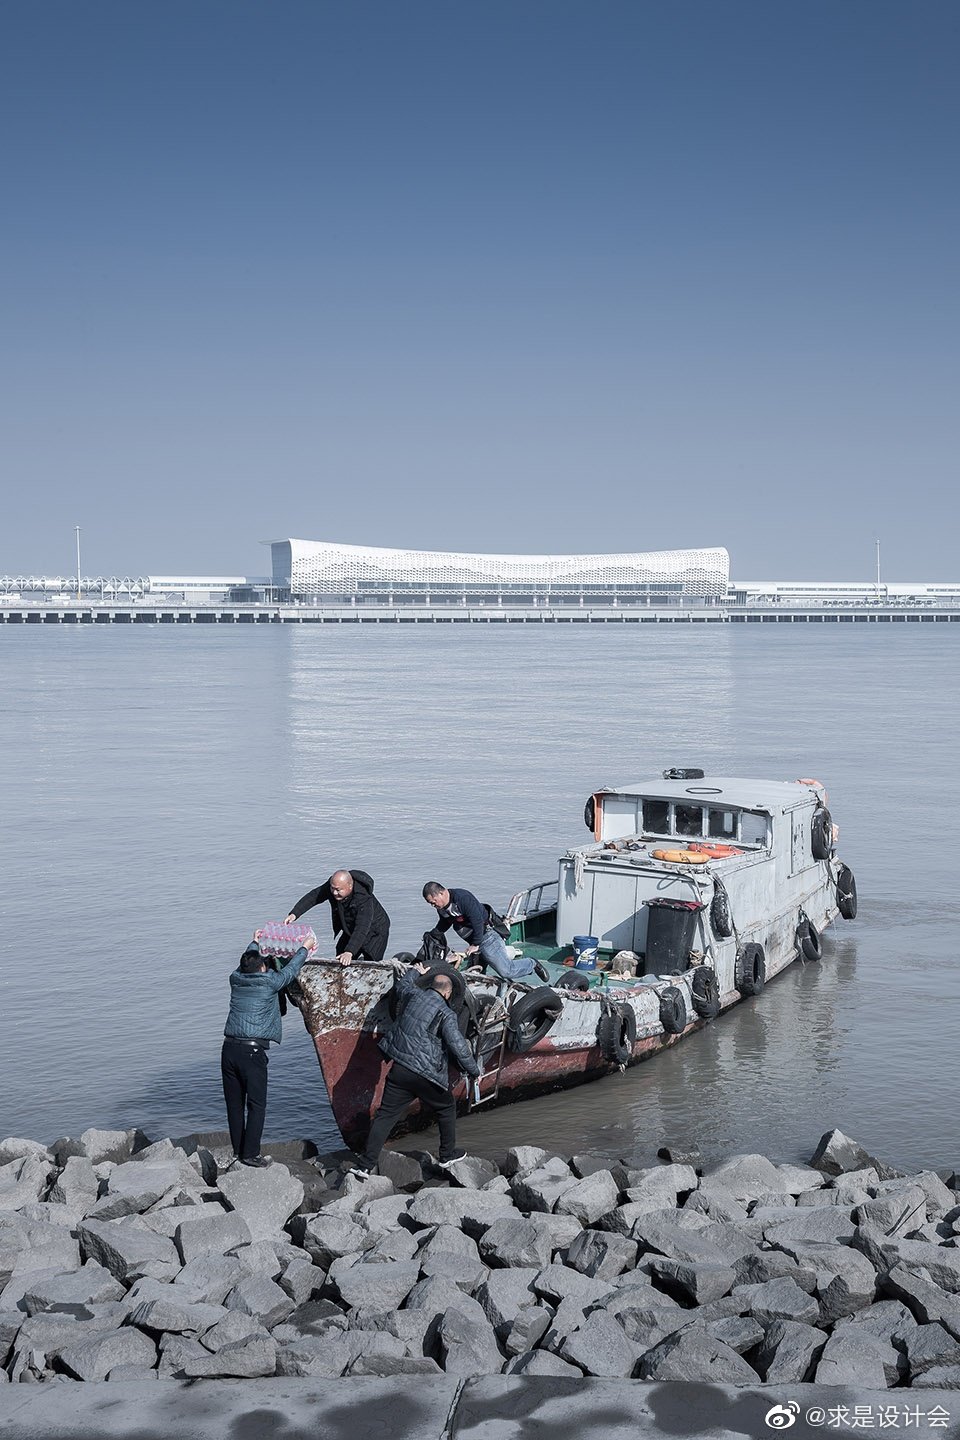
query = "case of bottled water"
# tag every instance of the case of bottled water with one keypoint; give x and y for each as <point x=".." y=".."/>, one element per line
<point x="281" y="941"/>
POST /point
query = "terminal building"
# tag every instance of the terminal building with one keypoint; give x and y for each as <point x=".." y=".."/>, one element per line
<point x="319" y="572"/>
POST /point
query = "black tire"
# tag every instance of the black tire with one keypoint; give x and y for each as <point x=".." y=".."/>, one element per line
<point x="809" y="943"/>
<point x="847" y="893"/>
<point x="751" y="970"/>
<point x="721" y="920"/>
<point x="573" y="981"/>
<point x="617" y="1034"/>
<point x="821" y="834"/>
<point x="590" y="813"/>
<point x="673" y="1010"/>
<point x="706" y="992"/>
<point x="532" y="1017"/>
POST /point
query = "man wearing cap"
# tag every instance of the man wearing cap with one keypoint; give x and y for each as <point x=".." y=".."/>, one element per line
<point x="361" y="926"/>
<point x="253" y="1022"/>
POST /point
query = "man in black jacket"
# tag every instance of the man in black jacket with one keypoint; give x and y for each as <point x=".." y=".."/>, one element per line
<point x="361" y="926"/>
<point x="422" y="1041"/>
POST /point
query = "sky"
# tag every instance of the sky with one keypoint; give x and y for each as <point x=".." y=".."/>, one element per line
<point x="535" y="276"/>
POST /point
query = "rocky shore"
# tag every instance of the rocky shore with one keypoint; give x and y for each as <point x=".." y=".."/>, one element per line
<point x="126" y="1260"/>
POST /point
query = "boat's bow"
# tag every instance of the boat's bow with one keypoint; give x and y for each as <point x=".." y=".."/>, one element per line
<point x="345" y="1009"/>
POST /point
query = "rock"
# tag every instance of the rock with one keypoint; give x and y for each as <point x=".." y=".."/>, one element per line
<point x="852" y="1356"/>
<point x="740" y="1332"/>
<point x="773" y="1265"/>
<point x="468" y="1346"/>
<point x="693" y="1355"/>
<point x="473" y="1172"/>
<point x="211" y="1277"/>
<point x="521" y="1159"/>
<point x="541" y="1189"/>
<point x="329" y="1356"/>
<point x="695" y="1282"/>
<point x="777" y="1300"/>
<point x="394" y="1365"/>
<point x="76" y="1185"/>
<point x="517" y="1242"/>
<point x="527" y="1330"/>
<point x="100" y="1145"/>
<point x="940" y="1377"/>
<point x="601" y="1254"/>
<point x="712" y="1244"/>
<point x="403" y="1171"/>
<point x="682" y="1155"/>
<point x="855" y="1186"/>
<point x="591" y="1198"/>
<point x="134" y="1187"/>
<point x="437" y="1294"/>
<point x="265" y="1199"/>
<point x="15" y="1148"/>
<point x="748" y="1177"/>
<point x="665" y="1183"/>
<point x="504" y="1294"/>
<point x="248" y="1358"/>
<point x="798" y="1179"/>
<point x="890" y="1319"/>
<point x="846" y="1281"/>
<point x="601" y="1348"/>
<point x="789" y="1351"/>
<point x="126" y="1249"/>
<point x="556" y="1283"/>
<point x="132" y="1374"/>
<point x="213" y="1235"/>
<point x="926" y="1301"/>
<point x="896" y="1212"/>
<point x="541" y="1362"/>
<point x="930" y="1345"/>
<point x="941" y="1262"/>
<point x="170" y="1313"/>
<point x="314" y="1317"/>
<point x="382" y="1216"/>
<point x="326" y="1237"/>
<point x="261" y="1297"/>
<point x="562" y="1229"/>
<point x="358" y="1190"/>
<point x="385" y="1285"/>
<point x="837" y="1153"/>
<point x="90" y="1285"/>
<point x="826" y="1225"/>
<point x="230" y="1329"/>
<point x="301" y="1280"/>
<point x="165" y="1221"/>
<point x="584" y="1165"/>
<point x="448" y="1252"/>
<point x="48" y="1248"/>
<point x="500" y="1185"/>
<point x="176" y="1351"/>
<point x="260" y="1258"/>
<point x="402" y="1245"/>
<point x="819" y="1198"/>
<point x="93" y="1359"/>
<point x="471" y="1210"/>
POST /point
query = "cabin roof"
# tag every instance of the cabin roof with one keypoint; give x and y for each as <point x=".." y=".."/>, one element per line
<point x="720" y="790"/>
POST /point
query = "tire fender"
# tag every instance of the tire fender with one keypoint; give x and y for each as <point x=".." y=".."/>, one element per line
<point x="673" y="1010"/>
<point x="751" y="970"/>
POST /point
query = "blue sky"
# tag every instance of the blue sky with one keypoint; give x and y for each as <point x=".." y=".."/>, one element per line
<point x="522" y="275"/>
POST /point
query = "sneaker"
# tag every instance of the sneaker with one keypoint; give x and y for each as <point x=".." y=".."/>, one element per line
<point x="361" y="1169"/>
<point x="257" y="1162"/>
<point x="445" y="1164"/>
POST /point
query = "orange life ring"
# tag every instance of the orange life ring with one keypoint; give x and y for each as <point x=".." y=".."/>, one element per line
<point x="716" y="852"/>
<point x="681" y="857"/>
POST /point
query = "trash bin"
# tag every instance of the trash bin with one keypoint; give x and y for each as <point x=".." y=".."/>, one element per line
<point x="671" y="925"/>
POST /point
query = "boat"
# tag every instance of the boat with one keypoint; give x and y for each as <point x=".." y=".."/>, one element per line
<point x="691" y="895"/>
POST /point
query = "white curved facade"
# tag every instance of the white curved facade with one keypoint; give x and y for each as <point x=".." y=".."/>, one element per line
<point x="317" y="567"/>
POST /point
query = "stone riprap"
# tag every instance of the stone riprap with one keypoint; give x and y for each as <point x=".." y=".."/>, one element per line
<point x="120" y="1258"/>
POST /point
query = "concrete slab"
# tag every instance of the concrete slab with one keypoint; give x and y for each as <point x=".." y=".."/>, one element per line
<point x="442" y="1408"/>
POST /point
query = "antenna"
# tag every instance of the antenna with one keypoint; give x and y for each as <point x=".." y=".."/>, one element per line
<point x="878" y="567"/>
<point x="77" y="528"/>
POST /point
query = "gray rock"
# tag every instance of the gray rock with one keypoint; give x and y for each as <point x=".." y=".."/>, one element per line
<point x="527" y="1330"/>
<point x="837" y="1153"/>
<point x="382" y="1216"/>
<point x="301" y="1279"/>
<point x="601" y="1348"/>
<point x="601" y="1254"/>
<point x="521" y="1159"/>
<point x="468" y="1345"/>
<point x="926" y="1301"/>
<point x="773" y="1265"/>
<point x="403" y="1171"/>
<point x="211" y="1235"/>
<point x="798" y="1179"/>
<point x="15" y="1148"/>
<point x="930" y="1345"/>
<point x="328" y="1356"/>
<point x="438" y="1293"/>
<point x="789" y="1352"/>
<point x="146" y="1288"/>
<point x="473" y="1172"/>
<point x="315" y="1317"/>
<point x="394" y="1365"/>
<point x="697" y="1283"/>
<point x="890" y="1319"/>
<point x="941" y="1377"/>
<point x="941" y="1262"/>
<point x="265" y="1199"/>
<point x="693" y="1355"/>
<point x="385" y="1285"/>
<point x="76" y="1185"/>
<point x="93" y="1359"/>
<point x="682" y="1154"/>
<point x="855" y="1186"/>
<point x="517" y="1242"/>
<point x="665" y="1183"/>
<point x="48" y="1248"/>
<point x="170" y="1313"/>
<point x="357" y="1190"/>
<point x="562" y="1229"/>
<point x="819" y="1198"/>
<point x="471" y="1210"/>
<point x="713" y="1244"/>
<point x="132" y="1374"/>
<point x="402" y="1245"/>
<point x="895" y="1212"/>
<point x="541" y="1362"/>
<point x="740" y="1332"/>
<point x="589" y="1199"/>
<point x="211" y="1277"/>
<point x="327" y="1237"/>
<point x="175" y="1352"/>
<point x="258" y="1296"/>
<point x="504" y="1294"/>
<point x="126" y="1249"/>
<point x="852" y="1356"/>
<point x="448" y="1252"/>
<point x="541" y="1189"/>
<point x="846" y="1281"/>
<point x="253" y="1356"/>
<point x="825" y="1225"/>
<point x="90" y="1285"/>
<point x="230" y="1329"/>
<point x="747" y="1177"/>
<point x="557" y="1282"/>
<point x="260" y="1258"/>
<point x="777" y="1300"/>
<point x="622" y="1218"/>
<point x="99" y="1145"/>
<point x="940" y="1197"/>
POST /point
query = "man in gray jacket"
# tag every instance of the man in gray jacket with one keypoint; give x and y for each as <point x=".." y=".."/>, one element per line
<point x="423" y="1040"/>
<point x="252" y="1023"/>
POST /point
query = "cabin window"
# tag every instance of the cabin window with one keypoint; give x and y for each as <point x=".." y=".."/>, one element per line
<point x="656" y="817"/>
<point x="689" y="819"/>
<point x="753" y="828"/>
<point x="722" y="824"/>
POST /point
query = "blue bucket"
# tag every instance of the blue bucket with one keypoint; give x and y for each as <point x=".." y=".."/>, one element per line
<point x="585" y="952"/>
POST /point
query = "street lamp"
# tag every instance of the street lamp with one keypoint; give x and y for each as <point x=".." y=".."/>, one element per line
<point x="77" y="528"/>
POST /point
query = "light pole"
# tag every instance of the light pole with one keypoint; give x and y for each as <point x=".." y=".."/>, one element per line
<point x="77" y="528"/>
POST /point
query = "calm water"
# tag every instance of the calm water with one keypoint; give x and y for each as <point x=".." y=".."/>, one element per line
<point x="165" y="791"/>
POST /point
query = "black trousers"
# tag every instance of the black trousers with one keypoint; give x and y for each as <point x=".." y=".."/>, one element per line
<point x="244" y="1072"/>
<point x="402" y="1088"/>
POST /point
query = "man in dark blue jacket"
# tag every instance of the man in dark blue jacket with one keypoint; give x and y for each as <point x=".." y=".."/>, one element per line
<point x="422" y="1041"/>
<point x="253" y="1022"/>
<point x="468" y="917"/>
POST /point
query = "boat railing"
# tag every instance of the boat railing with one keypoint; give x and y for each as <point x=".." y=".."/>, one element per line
<point x="537" y="900"/>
